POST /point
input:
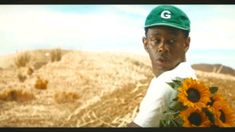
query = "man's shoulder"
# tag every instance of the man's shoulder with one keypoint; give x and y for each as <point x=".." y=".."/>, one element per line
<point x="160" y="83"/>
<point x="183" y="70"/>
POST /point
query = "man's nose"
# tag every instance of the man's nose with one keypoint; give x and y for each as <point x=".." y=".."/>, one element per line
<point x="162" y="47"/>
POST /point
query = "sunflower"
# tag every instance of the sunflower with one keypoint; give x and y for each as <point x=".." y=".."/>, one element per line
<point x="193" y="94"/>
<point x="224" y="114"/>
<point x="194" y="118"/>
<point x="215" y="98"/>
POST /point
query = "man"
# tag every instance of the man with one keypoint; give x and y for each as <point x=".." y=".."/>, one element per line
<point x="166" y="41"/>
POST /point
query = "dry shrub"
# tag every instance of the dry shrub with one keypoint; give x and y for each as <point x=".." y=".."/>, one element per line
<point x="22" y="59"/>
<point x="41" y="83"/>
<point x="30" y="71"/>
<point x="56" y="54"/>
<point x="24" y="73"/>
<point x="38" y="65"/>
<point x="66" y="97"/>
<point x="21" y="77"/>
<point x="16" y="95"/>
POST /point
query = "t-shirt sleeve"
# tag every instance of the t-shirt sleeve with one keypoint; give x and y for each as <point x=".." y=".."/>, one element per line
<point x="159" y="95"/>
<point x="154" y="103"/>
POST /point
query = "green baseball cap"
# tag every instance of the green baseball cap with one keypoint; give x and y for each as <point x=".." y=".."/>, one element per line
<point x="166" y="15"/>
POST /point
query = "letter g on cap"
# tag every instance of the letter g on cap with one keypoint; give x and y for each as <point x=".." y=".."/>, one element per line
<point x="166" y="14"/>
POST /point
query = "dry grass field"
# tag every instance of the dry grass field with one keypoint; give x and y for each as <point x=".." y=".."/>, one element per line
<point x="58" y="88"/>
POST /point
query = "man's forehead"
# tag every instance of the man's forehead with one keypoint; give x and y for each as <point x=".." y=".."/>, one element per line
<point x="159" y="29"/>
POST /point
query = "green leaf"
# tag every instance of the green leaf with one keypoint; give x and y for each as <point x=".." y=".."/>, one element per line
<point x="179" y="79"/>
<point x="175" y="99"/>
<point x="178" y="82"/>
<point x="176" y="113"/>
<point x="213" y="89"/>
<point x="172" y="85"/>
<point x="168" y="122"/>
<point x="176" y="106"/>
<point x="175" y="123"/>
<point x="210" y="116"/>
<point x="163" y="123"/>
<point x="179" y="121"/>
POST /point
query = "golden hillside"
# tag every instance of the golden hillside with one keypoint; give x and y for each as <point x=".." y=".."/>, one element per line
<point x="54" y="88"/>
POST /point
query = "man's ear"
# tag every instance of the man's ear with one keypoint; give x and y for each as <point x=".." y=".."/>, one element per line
<point x="145" y="42"/>
<point x="187" y="44"/>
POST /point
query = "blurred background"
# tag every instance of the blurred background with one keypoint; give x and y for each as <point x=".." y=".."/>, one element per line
<point x="50" y="75"/>
<point x="113" y="28"/>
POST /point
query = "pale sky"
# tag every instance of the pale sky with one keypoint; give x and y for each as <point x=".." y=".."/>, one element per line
<point x="112" y="27"/>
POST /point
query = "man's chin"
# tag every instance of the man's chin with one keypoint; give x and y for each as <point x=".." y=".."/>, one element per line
<point x="162" y="68"/>
<point x="161" y="65"/>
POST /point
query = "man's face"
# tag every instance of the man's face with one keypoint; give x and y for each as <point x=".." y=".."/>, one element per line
<point x="166" y="47"/>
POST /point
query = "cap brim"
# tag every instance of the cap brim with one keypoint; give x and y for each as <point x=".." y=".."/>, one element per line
<point x="167" y="24"/>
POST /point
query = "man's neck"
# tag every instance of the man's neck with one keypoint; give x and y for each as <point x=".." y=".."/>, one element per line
<point x="158" y="73"/>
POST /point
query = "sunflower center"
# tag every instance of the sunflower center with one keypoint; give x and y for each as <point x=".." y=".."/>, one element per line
<point x="195" y="118"/>
<point x="222" y="116"/>
<point x="193" y="95"/>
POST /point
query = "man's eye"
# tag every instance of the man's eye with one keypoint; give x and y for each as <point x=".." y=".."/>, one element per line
<point x="171" y="41"/>
<point x="156" y="41"/>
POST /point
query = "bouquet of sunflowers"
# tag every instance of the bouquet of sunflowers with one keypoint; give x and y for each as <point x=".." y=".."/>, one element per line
<point x="196" y="105"/>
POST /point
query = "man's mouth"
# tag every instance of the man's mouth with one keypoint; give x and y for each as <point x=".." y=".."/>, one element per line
<point x="161" y="61"/>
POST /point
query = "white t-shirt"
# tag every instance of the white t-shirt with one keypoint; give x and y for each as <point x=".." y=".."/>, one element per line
<point x="159" y="94"/>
